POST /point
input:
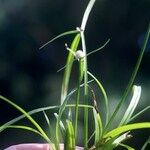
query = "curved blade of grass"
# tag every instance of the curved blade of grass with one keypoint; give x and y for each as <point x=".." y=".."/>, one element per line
<point x="48" y="122"/>
<point x="70" y="114"/>
<point x="51" y="130"/>
<point x="132" y="105"/>
<point x="68" y="68"/>
<point x="86" y="14"/>
<point x="98" y="49"/>
<point x="146" y="144"/>
<point x="120" y="130"/>
<point x="30" y="129"/>
<point x="129" y="86"/>
<point x="103" y="92"/>
<point x="139" y="113"/>
<point x="126" y="146"/>
<point x="90" y="138"/>
<point x="25" y="128"/>
<point x="62" y="127"/>
<point x="70" y="137"/>
<point x="98" y="126"/>
<point x="60" y="35"/>
<point x="27" y="115"/>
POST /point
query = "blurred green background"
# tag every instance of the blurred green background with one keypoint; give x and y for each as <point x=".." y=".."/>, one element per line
<point x="29" y="76"/>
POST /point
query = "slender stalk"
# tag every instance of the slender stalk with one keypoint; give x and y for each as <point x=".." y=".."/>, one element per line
<point x="78" y="97"/>
<point x="57" y="136"/>
<point x="83" y="25"/>
<point x="85" y="91"/>
<point x="86" y="14"/>
<point x="77" y="112"/>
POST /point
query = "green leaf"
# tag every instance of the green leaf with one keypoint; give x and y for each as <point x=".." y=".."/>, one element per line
<point x="51" y="130"/>
<point x="70" y="137"/>
<point x="103" y="92"/>
<point x="70" y="114"/>
<point x="62" y="127"/>
<point x="126" y="146"/>
<point x="60" y="35"/>
<point x="139" y="113"/>
<point x="132" y="105"/>
<point x="98" y="126"/>
<point x="68" y="68"/>
<point x="23" y="127"/>
<point x="146" y="144"/>
<point x="120" y="130"/>
<point x="98" y="49"/>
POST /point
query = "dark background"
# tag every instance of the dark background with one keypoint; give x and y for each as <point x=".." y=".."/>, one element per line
<point x="29" y="77"/>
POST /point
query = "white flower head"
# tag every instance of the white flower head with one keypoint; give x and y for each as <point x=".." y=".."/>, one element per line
<point x="79" y="54"/>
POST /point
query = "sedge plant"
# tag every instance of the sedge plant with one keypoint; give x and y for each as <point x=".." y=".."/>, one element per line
<point x="103" y="137"/>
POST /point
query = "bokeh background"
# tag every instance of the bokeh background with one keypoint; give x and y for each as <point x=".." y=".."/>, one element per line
<point x="29" y="77"/>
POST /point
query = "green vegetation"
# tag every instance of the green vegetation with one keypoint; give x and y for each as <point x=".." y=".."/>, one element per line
<point x="104" y="138"/>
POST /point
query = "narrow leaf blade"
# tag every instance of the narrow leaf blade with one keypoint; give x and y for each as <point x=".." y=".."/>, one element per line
<point x="70" y="137"/>
<point x="57" y="37"/>
<point x="132" y="105"/>
<point x="68" y="68"/>
<point x="126" y="128"/>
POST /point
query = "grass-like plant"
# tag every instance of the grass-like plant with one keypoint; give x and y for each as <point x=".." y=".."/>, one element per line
<point x="103" y="137"/>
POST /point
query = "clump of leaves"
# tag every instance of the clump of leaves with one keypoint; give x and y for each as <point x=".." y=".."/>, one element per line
<point x="104" y="138"/>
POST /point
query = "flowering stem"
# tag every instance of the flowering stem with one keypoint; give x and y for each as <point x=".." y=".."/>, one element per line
<point x="80" y="76"/>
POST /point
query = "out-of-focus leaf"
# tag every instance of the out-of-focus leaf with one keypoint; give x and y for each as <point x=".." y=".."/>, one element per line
<point x="132" y="105"/>
<point x="57" y="37"/>
<point x="70" y="137"/>
<point x="98" y="126"/>
<point x="103" y="92"/>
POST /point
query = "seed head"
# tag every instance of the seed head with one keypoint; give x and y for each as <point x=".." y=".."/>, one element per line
<point x="79" y="54"/>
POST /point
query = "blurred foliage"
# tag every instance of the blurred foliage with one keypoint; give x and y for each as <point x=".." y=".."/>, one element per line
<point x="29" y="75"/>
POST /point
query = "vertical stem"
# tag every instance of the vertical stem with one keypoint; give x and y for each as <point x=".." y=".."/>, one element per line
<point x="78" y="97"/>
<point x="57" y="135"/>
<point x="83" y="25"/>
<point x="85" y="91"/>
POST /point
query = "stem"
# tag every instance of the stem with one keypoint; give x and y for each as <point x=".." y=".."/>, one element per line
<point x="78" y="97"/>
<point x="86" y="14"/>
<point x="83" y="25"/>
<point x="85" y="90"/>
<point x="57" y="135"/>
